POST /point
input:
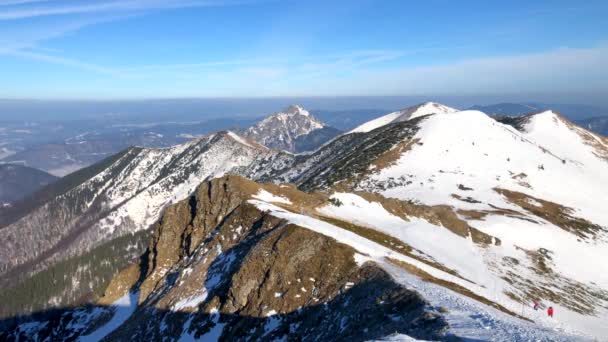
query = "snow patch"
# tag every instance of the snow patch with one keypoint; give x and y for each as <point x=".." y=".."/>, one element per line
<point x="266" y="196"/>
<point x="191" y="302"/>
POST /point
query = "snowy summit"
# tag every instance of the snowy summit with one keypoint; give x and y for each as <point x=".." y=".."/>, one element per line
<point x="293" y="129"/>
<point x="404" y="115"/>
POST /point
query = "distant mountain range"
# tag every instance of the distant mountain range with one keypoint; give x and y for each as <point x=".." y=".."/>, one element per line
<point x="76" y="151"/>
<point x="596" y="124"/>
<point x="428" y="223"/>
<point x="63" y="147"/>
<point x="571" y="111"/>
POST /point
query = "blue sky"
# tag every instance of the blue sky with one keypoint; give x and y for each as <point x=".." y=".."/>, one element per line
<point x="259" y="48"/>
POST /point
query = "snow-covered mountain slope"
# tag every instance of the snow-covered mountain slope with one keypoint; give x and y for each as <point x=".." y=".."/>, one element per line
<point x="552" y="131"/>
<point x="293" y="130"/>
<point x="495" y="156"/>
<point x="540" y="192"/>
<point x="404" y="115"/>
<point x="126" y="197"/>
<point x="277" y="261"/>
<point x="481" y="218"/>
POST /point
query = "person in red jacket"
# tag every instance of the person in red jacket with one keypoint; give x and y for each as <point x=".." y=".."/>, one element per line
<point x="550" y="311"/>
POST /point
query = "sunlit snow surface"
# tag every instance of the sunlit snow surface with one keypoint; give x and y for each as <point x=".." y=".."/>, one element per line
<point x="468" y="319"/>
<point x="490" y="158"/>
<point x="463" y="153"/>
<point x="403" y="115"/>
<point x="264" y="195"/>
<point x="469" y="154"/>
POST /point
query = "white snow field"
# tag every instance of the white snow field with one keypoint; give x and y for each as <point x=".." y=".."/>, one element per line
<point x="468" y="319"/>
<point x="550" y="160"/>
<point x="403" y="115"/>
<point x="469" y="155"/>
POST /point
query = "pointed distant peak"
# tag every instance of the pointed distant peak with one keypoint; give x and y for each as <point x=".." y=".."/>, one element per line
<point x="533" y="121"/>
<point x="425" y="108"/>
<point x="547" y="115"/>
<point x="432" y="107"/>
<point x="221" y="135"/>
<point x="547" y="112"/>
<point x="429" y="104"/>
<point x="546" y="120"/>
<point x="296" y="109"/>
<point x="280" y="130"/>
<point x="422" y="109"/>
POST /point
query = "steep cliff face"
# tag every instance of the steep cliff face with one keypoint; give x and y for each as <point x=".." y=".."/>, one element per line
<point x="218" y="267"/>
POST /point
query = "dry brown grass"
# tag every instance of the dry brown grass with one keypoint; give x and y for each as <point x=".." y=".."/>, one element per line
<point x="545" y="285"/>
<point x="390" y="157"/>
<point x="441" y="215"/>
<point x="557" y="214"/>
<point x="473" y="214"/>
<point x="480" y="215"/>
<point x="553" y="288"/>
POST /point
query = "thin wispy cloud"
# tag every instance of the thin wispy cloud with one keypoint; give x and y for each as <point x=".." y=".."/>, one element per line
<point x="562" y="69"/>
<point x="63" y="61"/>
<point x="20" y="2"/>
<point x="59" y="8"/>
<point x="34" y="35"/>
<point x="27" y="44"/>
<point x="347" y="59"/>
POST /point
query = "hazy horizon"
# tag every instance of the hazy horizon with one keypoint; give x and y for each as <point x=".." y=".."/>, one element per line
<point x="210" y="108"/>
